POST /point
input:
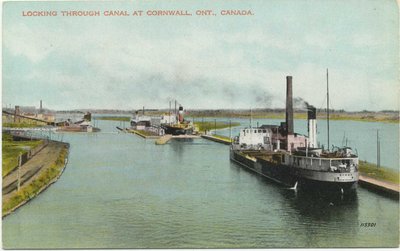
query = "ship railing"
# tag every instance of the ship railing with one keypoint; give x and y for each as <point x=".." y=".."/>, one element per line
<point x="258" y="147"/>
<point x="339" y="165"/>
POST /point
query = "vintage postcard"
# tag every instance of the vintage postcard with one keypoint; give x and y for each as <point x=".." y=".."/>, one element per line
<point x="200" y="124"/>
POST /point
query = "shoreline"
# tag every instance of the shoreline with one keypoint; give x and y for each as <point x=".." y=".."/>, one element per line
<point x="28" y="188"/>
<point x="380" y="187"/>
<point x="302" y="116"/>
<point x="337" y="116"/>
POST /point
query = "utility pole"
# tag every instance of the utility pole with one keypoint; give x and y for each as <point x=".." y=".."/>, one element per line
<point x="19" y="171"/>
<point x="230" y="129"/>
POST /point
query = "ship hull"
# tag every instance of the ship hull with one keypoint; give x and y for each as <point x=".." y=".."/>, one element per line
<point x="296" y="177"/>
<point x="177" y="131"/>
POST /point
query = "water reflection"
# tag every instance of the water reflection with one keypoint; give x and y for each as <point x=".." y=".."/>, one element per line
<point x="322" y="205"/>
<point x="178" y="146"/>
<point x="315" y="218"/>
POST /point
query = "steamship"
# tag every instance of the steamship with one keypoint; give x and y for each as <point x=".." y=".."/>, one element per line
<point x="180" y="126"/>
<point x="295" y="160"/>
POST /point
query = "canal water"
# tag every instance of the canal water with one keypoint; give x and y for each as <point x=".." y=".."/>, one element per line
<point x="122" y="191"/>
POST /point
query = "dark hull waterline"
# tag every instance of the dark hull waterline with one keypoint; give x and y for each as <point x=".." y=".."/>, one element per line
<point x="291" y="177"/>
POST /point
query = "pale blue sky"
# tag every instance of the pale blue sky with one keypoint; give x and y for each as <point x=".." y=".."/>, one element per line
<point x="203" y="62"/>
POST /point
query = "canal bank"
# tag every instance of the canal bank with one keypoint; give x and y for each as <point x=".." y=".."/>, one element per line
<point x="218" y="139"/>
<point x="379" y="186"/>
<point x="34" y="176"/>
<point x="143" y="134"/>
<point x="185" y="194"/>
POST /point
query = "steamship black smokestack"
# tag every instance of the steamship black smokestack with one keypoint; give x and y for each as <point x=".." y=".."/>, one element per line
<point x="289" y="105"/>
<point x="311" y="112"/>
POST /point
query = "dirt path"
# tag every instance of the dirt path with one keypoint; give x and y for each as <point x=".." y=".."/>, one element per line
<point x="46" y="157"/>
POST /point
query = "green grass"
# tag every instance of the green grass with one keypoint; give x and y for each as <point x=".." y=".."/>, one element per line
<point x="211" y="125"/>
<point x="145" y="133"/>
<point x="12" y="149"/>
<point x="114" y="118"/>
<point x="22" y="125"/>
<point x="381" y="173"/>
<point x="222" y="137"/>
<point x="33" y="188"/>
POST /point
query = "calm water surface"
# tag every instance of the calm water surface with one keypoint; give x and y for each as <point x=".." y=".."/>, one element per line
<point x="121" y="191"/>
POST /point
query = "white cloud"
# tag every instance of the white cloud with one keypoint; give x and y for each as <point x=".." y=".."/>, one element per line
<point x="124" y="67"/>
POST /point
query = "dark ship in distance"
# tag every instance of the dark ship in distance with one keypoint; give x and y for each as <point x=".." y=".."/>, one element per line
<point x="282" y="155"/>
<point x="179" y="126"/>
<point x="172" y="123"/>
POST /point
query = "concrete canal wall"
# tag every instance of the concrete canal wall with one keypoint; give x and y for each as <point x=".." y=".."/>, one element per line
<point x="139" y="133"/>
<point x="379" y="186"/>
<point x="215" y="139"/>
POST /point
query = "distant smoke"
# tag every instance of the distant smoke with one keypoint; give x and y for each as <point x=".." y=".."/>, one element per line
<point x="300" y="103"/>
<point x="229" y="93"/>
<point x="198" y="92"/>
<point x="263" y="99"/>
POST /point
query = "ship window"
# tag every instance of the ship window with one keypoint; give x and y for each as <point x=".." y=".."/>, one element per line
<point x="264" y="131"/>
<point x="266" y="140"/>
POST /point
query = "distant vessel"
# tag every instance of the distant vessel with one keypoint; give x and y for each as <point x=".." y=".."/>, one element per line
<point x="278" y="153"/>
<point x="171" y="123"/>
<point x="180" y="127"/>
<point x="140" y="122"/>
<point x="83" y="125"/>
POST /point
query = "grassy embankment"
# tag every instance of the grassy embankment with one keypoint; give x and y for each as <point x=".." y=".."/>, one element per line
<point x="12" y="149"/>
<point x="145" y="133"/>
<point x="22" y="125"/>
<point x="8" y="121"/>
<point x="113" y="118"/>
<point x="44" y="179"/>
<point x="222" y="137"/>
<point x="211" y="125"/>
<point x="381" y="173"/>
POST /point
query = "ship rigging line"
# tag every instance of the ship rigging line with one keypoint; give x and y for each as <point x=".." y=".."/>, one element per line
<point x="327" y="102"/>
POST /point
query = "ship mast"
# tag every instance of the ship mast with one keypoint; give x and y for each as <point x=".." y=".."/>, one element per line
<point x="327" y="102"/>
<point x="169" y="113"/>
<point x="378" y="150"/>
<point x="251" y="117"/>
